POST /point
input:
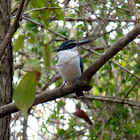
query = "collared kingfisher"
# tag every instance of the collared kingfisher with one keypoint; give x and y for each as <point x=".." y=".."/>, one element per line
<point x="70" y="64"/>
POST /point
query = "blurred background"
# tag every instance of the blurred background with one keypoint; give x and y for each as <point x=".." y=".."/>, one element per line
<point x="112" y="105"/>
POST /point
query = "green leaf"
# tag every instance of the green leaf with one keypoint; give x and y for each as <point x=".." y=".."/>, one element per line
<point x="31" y="37"/>
<point x="25" y="92"/>
<point x="45" y="17"/>
<point x="61" y="132"/>
<point x="61" y="103"/>
<point x="43" y="13"/>
<point x="47" y="56"/>
<point x="38" y="3"/>
<point x="19" y="42"/>
<point x="59" y="12"/>
<point x="62" y="117"/>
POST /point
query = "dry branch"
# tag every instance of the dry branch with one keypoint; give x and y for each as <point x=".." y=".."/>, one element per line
<point x="84" y="79"/>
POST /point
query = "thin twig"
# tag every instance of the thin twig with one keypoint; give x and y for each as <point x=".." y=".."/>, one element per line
<point x="131" y="88"/>
<point x="109" y="99"/>
<point x="125" y="69"/>
<point x="41" y="25"/>
<point x="125" y="125"/>
<point x="42" y="8"/>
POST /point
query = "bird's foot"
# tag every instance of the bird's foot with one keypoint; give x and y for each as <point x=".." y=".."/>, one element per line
<point x="76" y="83"/>
<point x="79" y="92"/>
<point x="62" y="86"/>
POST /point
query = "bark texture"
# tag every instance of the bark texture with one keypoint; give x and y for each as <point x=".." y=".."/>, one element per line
<point x="5" y="68"/>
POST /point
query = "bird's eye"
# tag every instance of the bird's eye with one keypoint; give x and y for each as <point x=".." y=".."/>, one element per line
<point x="71" y="44"/>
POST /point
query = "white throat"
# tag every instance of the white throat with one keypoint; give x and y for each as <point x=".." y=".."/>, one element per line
<point x="69" y="64"/>
<point x="65" y="56"/>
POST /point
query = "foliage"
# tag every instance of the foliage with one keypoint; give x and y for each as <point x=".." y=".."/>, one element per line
<point x="45" y="25"/>
<point x="47" y="56"/>
<point x="25" y="92"/>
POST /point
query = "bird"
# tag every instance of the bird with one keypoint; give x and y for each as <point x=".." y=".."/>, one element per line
<point x="70" y="65"/>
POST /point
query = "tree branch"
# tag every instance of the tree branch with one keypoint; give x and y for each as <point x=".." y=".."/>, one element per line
<point x="110" y="52"/>
<point x="125" y="69"/>
<point x="41" y="25"/>
<point x="110" y="99"/>
<point x="84" y="79"/>
<point x="12" y="30"/>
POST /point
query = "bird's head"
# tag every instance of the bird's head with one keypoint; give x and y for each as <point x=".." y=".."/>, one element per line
<point x="71" y="44"/>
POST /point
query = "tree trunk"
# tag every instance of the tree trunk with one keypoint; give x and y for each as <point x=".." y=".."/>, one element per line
<point x="5" y="68"/>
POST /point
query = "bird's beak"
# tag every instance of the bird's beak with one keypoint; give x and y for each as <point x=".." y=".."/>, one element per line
<point x="82" y="42"/>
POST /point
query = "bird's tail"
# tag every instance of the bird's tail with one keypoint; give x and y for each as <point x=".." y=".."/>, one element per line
<point x="79" y="93"/>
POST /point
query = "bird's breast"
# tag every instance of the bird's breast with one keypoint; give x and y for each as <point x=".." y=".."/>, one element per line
<point x="69" y="65"/>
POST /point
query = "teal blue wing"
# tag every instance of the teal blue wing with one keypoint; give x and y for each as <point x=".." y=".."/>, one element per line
<point x="81" y="65"/>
